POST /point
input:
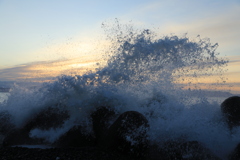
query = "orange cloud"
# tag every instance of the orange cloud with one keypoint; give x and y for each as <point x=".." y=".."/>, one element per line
<point x="47" y="70"/>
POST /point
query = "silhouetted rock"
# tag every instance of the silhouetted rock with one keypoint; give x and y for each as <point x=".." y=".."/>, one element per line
<point x="231" y="110"/>
<point x="101" y="122"/>
<point x="5" y="123"/>
<point x="86" y="153"/>
<point x="191" y="150"/>
<point x="128" y="134"/>
<point x="50" y="117"/>
<point x="75" y="137"/>
<point x="235" y="155"/>
<point x="20" y="137"/>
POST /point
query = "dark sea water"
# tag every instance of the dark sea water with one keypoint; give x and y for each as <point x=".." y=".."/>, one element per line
<point x="143" y="74"/>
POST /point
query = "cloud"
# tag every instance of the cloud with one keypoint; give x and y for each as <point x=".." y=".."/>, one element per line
<point x="220" y="23"/>
<point x="47" y="70"/>
<point x="233" y="59"/>
<point x="222" y="28"/>
<point x="233" y="72"/>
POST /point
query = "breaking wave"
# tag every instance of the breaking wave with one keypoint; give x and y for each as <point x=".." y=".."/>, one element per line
<point x="156" y="76"/>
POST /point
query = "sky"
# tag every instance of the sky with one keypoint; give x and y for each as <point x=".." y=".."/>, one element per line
<point x="48" y="35"/>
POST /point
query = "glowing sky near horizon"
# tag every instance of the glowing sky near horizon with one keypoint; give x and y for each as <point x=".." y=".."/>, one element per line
<point x="36" y="31"/>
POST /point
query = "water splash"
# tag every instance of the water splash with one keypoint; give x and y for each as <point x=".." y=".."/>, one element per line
<point x="143" y="73"/>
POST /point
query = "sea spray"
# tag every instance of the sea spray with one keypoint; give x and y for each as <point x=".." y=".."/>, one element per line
<point x="143" y="73"/>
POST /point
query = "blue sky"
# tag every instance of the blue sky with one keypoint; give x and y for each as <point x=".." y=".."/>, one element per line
<point x="34" y="30"/>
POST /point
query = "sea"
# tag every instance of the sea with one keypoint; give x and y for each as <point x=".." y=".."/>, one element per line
<point x="151" y="74"/>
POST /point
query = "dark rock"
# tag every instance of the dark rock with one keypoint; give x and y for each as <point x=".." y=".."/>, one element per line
<point x="50" y="117"/>
<point x="128" y="134"/>
<point x="235" y="155"/>
<point x="101" y="122"/>
<point x="195" y="151"/>
<point x="5" y="123"/>
<point x="75" y="137"/>
<point x="231" y="110"/>
<point x="191" y="150"/>
<point x="20" y="137"/>
<point x="86" y="153"/>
